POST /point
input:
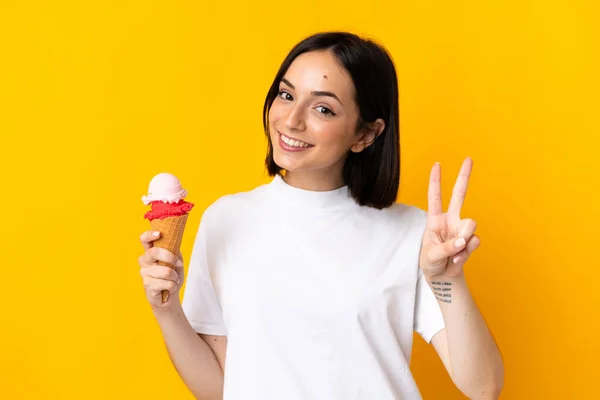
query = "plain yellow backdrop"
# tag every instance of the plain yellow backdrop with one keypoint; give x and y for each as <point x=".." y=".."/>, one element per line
<point x="98" y="97"/>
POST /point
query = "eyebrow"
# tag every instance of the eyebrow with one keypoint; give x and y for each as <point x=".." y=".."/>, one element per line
<point x="314" y="92"/>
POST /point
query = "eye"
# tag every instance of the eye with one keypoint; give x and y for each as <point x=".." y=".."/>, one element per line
<point x="325" y="111"/>
<point x="285" y="95"/>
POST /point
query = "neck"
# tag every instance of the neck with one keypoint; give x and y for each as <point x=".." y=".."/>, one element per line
<point x="317" y="180"/>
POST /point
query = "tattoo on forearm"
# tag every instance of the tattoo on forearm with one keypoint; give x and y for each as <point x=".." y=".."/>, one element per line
<point x="442" y="291"/>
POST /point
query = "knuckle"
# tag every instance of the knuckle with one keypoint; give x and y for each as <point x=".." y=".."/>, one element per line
<point x="165" y="272"/>
<point x="154" y="271"/>
<point x="435" y="196"/>
<point x="157" y="253"/>
<point x="173" y="277"/>
<point x="171" y="286"/>
<point x="145" y="272"/>
<point x="459" y="191"/>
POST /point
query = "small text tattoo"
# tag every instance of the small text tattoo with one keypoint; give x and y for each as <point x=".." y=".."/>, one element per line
<point x="442" y="291"/>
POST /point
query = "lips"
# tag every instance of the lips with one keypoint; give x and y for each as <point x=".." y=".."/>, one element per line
<point x="291" y="145"/>
<point x="293" y="142"/>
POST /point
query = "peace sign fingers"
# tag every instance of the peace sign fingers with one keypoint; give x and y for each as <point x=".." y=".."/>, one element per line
<point x="460" y="190"/>
<point x="434" y="195"/>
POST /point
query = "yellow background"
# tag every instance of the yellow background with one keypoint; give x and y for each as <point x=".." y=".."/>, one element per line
<point x="97" y="97"/>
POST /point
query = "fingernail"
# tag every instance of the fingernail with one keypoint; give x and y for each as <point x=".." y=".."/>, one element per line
<point x="459" y="243"/>
<point x="179" y="263"/>
<point x="155" y="234"/>
<point x="457" y="259"/>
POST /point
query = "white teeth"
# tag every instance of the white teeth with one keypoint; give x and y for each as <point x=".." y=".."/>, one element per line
<point x="293" y="143"/>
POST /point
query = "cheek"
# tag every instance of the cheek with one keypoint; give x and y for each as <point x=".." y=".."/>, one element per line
<point x="275" y="113"/>
<point x="273" y="118"/>
<point x="334" y="137"/>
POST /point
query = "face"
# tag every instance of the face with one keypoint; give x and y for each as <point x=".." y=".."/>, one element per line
<point x="312" y="122"/>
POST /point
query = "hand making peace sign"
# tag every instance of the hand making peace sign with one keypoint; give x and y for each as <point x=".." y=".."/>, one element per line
<point x="448" y="240"/>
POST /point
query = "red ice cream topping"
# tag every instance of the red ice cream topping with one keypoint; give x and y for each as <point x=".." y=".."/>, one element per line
<point x="162" y="210"/>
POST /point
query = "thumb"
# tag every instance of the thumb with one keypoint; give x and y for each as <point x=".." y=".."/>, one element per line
<point x="447" y="249"/>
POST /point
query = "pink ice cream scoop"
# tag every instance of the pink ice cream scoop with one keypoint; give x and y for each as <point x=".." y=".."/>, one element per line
<point x="164" y="187"/>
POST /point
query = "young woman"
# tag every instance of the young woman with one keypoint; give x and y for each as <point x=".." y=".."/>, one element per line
<point x="310" y="286"/>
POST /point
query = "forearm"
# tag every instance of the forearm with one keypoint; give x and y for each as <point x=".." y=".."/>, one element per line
<point x="476" y="362"/>
<point x="193" y="359"/>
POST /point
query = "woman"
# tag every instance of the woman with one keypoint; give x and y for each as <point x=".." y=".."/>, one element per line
<point x="310" y="287"/>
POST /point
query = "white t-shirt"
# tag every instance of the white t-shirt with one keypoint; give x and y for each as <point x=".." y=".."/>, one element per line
<point x="317" y="296"/>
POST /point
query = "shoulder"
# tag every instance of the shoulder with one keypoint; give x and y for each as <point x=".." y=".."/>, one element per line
<point x="399" y="214"/>
<point x="408" y="220"/>
<point x="231" y="207"/>
<point x="405" y="212"/>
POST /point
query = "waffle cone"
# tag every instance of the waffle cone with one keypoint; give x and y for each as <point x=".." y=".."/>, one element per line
<point x="171" y="233"/>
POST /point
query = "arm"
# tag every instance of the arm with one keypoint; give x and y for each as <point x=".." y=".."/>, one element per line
<point x="466" y="346"/>
<point x="218" y="345"/>
<point x="193" y="358"/>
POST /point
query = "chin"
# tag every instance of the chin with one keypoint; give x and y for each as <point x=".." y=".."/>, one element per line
<point x="284" y="163"/>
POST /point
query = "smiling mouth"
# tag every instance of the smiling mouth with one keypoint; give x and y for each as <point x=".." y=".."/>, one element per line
<point x="293" y="142"/>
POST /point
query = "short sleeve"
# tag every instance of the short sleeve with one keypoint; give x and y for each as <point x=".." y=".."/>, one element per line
<point x="428" y="315"/>
<point x="200" y="303"/>
<point x="428" y="318"/>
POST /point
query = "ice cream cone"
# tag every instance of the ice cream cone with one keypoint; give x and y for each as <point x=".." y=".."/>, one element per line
<point x="168" y="215"/>
<point x="171" y="233"/>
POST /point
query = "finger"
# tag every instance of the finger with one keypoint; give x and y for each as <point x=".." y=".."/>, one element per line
<point x="434" y="196"/>
<point x="472" y="245"/>
<point x="460" y="189"/>
<point x="155" y="287"/>
<point x="162" y="272"/>
<point x="447" y="249"/>
<point x="180" y="274"/>
<point x="467" y="228"/>
<point x="155" y="254"/>
<point x="164" y="255"/>
<point x="148" y="237"/>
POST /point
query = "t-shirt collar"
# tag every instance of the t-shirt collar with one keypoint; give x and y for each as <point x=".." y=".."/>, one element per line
<point x="310" y="200"/>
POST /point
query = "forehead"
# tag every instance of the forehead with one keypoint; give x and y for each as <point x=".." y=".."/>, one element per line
<point x="319" y="70"/>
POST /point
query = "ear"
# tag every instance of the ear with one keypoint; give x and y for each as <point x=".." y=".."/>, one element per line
<point x="368" y="135"/>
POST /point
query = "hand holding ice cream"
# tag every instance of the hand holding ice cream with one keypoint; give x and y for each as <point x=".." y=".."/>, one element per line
<point x="168" y="214"/>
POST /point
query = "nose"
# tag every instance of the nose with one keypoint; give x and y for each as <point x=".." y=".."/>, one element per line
<point x="294" y="120"/>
